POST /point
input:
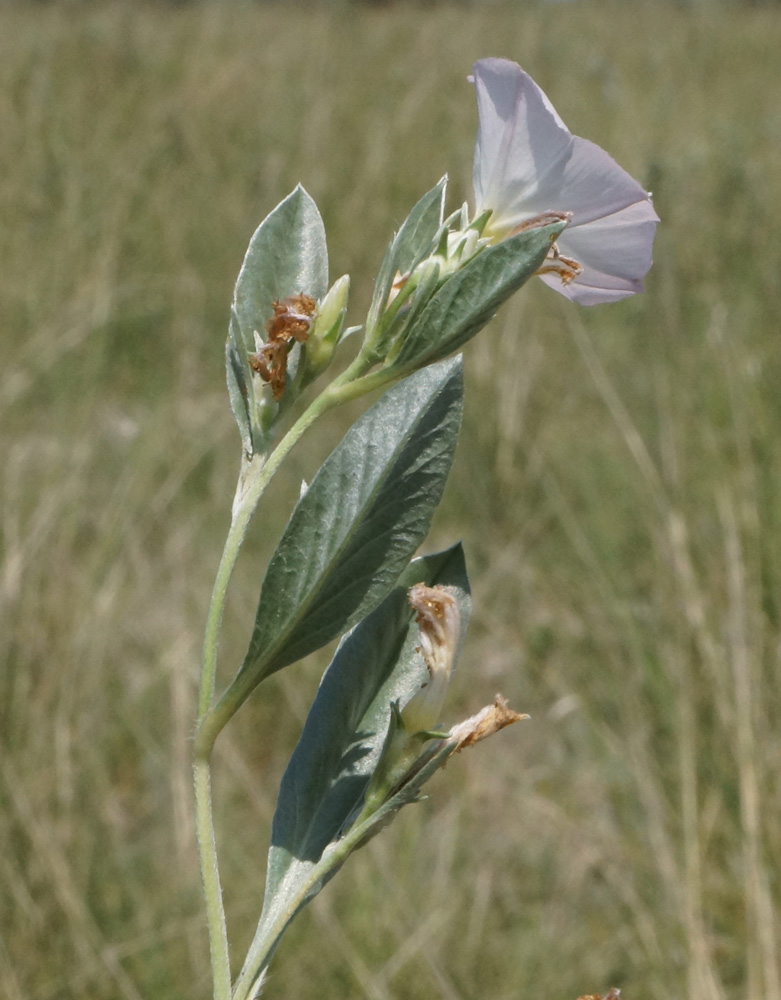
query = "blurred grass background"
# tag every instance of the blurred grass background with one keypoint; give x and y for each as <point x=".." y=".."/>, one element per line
<point x="617" y="488"/>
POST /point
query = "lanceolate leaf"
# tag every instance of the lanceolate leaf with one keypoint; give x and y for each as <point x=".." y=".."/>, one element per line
<point x="468" y="299"/>
<point x="322" y="789"/>
<point x="286" y="255"/>
<point x="358" y="524"/>
<point x="415" y="240"/>
<point x="375" y="664"/>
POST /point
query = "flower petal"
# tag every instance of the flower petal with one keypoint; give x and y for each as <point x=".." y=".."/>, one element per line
<point x="615" y="252"/>
<point x="589" y="183"/>
<point x="527" y="162"/>
<point x="519" y="136"/>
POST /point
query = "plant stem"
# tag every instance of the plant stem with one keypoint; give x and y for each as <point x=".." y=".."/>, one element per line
<point x="204" y="824"/>
<point x="269" y="933"/>
<point x="255" y="476"/>
<point x="210" y="878"/>
<point x="286" y="904"/>
<point x="350" y="385"/>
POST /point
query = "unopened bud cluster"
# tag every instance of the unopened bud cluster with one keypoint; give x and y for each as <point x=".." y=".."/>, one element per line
<point x="460" y="248"/>
<point x="458" y="243"/>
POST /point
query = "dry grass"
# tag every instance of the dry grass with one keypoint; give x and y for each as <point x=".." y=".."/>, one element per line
<point x="617" y="489"/>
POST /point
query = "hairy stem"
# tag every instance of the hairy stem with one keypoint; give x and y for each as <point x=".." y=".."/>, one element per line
<point x="210" y="878"/>
<point x="271" y="929"/>
<point x="255" y="476"/>
<point x="252" y="485"/>
<point x="279" y="910"/>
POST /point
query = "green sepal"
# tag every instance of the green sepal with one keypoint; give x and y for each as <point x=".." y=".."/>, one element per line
<point x="420" y="298"/>
<point x="468" y="299"/>
<point x="326" y="332"/>
<point x="415" y="240"/>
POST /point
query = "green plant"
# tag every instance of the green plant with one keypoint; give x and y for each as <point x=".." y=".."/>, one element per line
<point x="344" y="564"/>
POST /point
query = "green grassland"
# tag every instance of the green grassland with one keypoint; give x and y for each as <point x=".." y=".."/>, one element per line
<point x="617" y="489"/>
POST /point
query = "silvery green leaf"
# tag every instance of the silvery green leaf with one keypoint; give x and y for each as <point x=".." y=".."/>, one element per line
<point x="376" y="663"/>
<point x="240" y="391"/>
<point x="322" y="789"/>
<point x="469" y="298"/>
<point x="361" y="519"/>
<point x="414" y="241"/>
<point x="287" y="255"/>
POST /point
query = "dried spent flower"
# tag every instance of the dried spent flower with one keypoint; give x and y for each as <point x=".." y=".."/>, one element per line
<point x="292" y="318"/>
<point x="485" y="723"/>
<point x="439" y="619"/>
<point x="290" y="323"/>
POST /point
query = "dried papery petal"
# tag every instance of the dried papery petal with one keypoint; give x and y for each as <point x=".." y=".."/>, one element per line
<point x="292" y="318"/>
<point x="439" y="619"/>
<point x="270" y="362"/>
<point x="566" y="268"/>
<point x="488" y="721"/>
<point x="302" y="303"/>
<point x="613" y="994"/>
<point x="291" y="322"/>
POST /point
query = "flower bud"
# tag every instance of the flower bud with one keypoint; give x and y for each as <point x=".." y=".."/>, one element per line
<point x="327" y="328"/>
<point x="461" y="247"/>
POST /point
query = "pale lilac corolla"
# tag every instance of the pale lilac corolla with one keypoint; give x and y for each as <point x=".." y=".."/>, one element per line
<point x="529" y="166"/>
